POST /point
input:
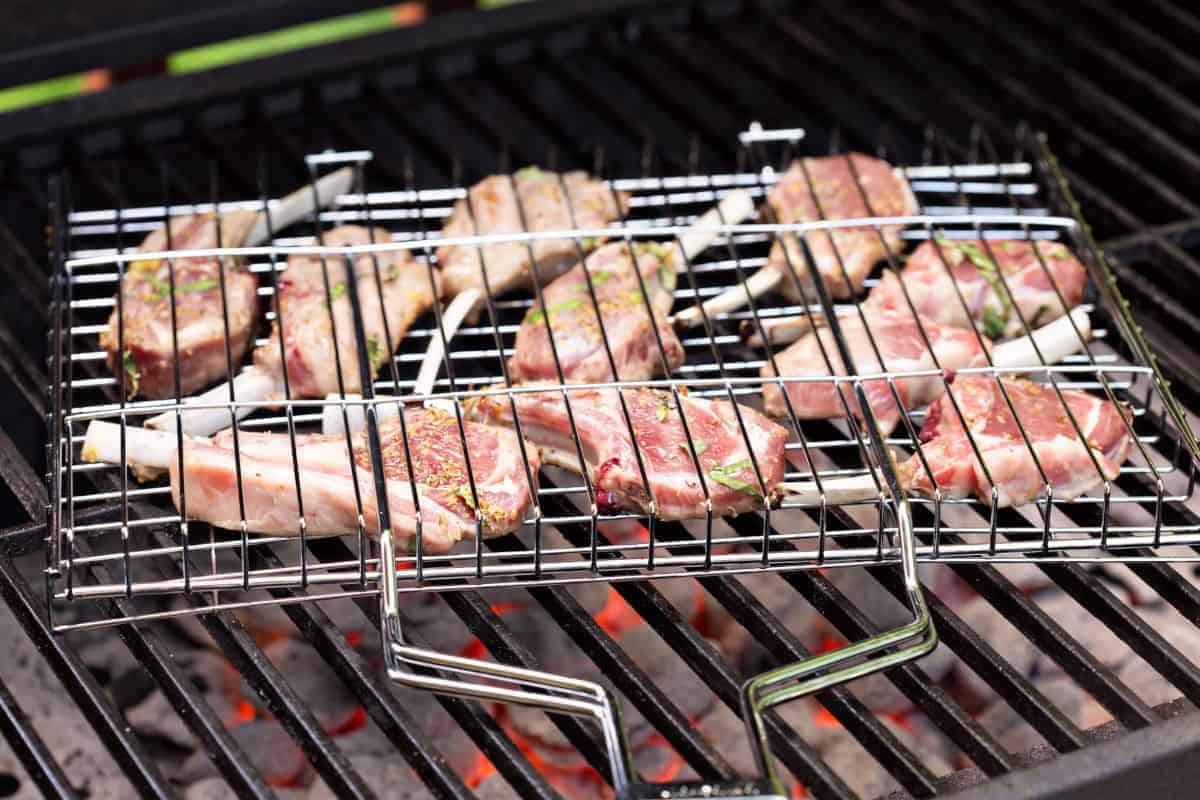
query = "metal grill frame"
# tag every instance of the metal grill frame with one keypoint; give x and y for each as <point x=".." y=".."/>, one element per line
<point x="588" y="562"/>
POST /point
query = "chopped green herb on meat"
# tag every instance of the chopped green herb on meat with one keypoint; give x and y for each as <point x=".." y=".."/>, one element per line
<point x="374" y="352"/>
<point x="537" y="315"/>
<point x="727" y="476"/>
<point x="131" y="371"/>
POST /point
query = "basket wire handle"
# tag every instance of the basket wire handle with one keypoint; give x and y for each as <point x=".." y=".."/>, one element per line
<point x="507" y="684"/>
<point x="882" y="651"/>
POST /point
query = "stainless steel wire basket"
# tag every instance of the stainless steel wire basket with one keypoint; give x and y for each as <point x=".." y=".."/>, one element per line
<point x="100" y="517"/>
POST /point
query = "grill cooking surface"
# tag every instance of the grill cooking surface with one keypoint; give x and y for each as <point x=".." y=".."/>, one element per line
<point x="661" y="98"/>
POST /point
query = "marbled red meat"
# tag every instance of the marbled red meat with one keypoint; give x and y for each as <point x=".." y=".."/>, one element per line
<point x="1066" y="459"/>
<point x="146" y="352"/>
<point x="537" y="204"/>
<point x="829" y="191"/>
<point x="624" y="320"/>
<point x="448" y="509"/>
<point x="903" y="349"/>
<point x="937" y="266"/>
<point x="304" y="307"/>
<point x="675" y="485"/>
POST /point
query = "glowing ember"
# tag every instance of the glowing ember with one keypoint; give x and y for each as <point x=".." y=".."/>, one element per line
<point x="617" y="616"/>
<point x="480" y="771"/>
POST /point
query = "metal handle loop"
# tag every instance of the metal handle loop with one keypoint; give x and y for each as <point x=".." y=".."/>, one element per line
<point x="506" y="684"/>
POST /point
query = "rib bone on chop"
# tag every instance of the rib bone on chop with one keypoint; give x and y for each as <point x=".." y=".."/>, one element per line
<point x="612" y="465"/>
<point x="624" y="320"/>
<point x="447" y="506"/>
<point x="898" y="337"/>
<point x="1066" y="459"/>
<point x="538" y="204"/>
<point x="976" y="269"/>
<point x="837" y="197"/>
<point x="304" y="309"/>
<point x="148" y="357"/>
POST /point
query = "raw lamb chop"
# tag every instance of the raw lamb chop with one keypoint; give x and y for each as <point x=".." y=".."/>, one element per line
<point x="612" y="465"/>
<point x="1066" y="460"/>
<point x="537" y="204"/>
<point x="447" y="505"/>
<point x="838" y="197"/>
<point x="309" y="336"/>
<point x="976" y="269"/>
<point x="633" y="332"/>
<point x="148" y="357"/>
<point x="898" y="337"/>
<point x="579" y="333"/>
<point x="139" y="339"/>
<point x="902" y="349"/>
<point x="304" y="306"/>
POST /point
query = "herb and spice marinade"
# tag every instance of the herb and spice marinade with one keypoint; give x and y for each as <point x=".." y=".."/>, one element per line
<point x="1000" y="281"/>
<point x="143" y="333"/>
<point x="449" y="509"/>
<point x="312" y="319"/>
<point x="579" y="335"/>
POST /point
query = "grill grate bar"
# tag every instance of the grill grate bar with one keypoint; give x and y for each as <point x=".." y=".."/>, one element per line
<point x="24" y="740"/>
<point x="479" y="725"/>
<point x="125" y="748"/>
<point x="499" y="640"/>
<point x="707" y="663"/>
<point x="376" y="696"/>
<point x="860" y="721"/>
<point x="630" y="679"/>
<point x="239" y="647"/>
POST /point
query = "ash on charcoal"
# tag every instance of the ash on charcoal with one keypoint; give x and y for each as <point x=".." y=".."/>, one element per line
<point x="56" y="717"/>
<point x="879" y="693"/>
<point x="313" y="680"/>
<point x="667" y="671"/>
<point x="1125" y="583"/>
<point x="14" y="780"/>
<point x="268" y="747"/>
<point x="154" y="716"/>
<point x="1010" y="728"/>
<point x="390" y="778"/>
<point x="993" y="628"/>
<point x="1094" y="636"/>
<point x="495" y="788"/>
<point x="788" y="606"/>
<point x="727" y="735"/>
<point x="863" y="774"/>
<point x="1147" y="682"/>
<point x="218" y="789"/>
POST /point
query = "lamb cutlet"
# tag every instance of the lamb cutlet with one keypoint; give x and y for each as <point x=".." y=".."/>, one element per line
<point x="146" y="350"/>
<point x="628" y="319"/>
<point x="833" y="188"/>
<point x="1065" y="458"/>
<point x="981" y="272"/>
<point x="305" y="308"/>
<point x="327" y="482"/>
<point x="676" y="487"/>
<point x="811" y="190"/>
<point x="142" y="339"/>
<point x="902" y="348"/>
<point x="531" y="200"/>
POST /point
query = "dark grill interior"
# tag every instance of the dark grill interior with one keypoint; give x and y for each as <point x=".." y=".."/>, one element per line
<point x="652" y="91"/>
